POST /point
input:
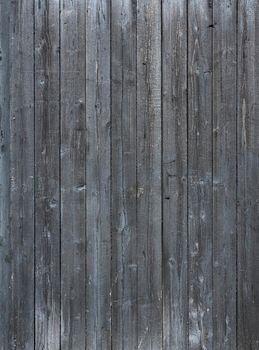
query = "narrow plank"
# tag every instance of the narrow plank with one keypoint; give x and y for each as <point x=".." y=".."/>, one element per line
<point x="98" y="172"/>
<point x="248" y="175"/>
<point x="149" y="237"/>
<point x="47" y="185"/>
<point x="124" y="245"/>
<point x="224" y="174"/>
<point x="175" y="293"/>
<point x="21" y="258"/>
<point x="5" y="271"/>
<point x="73" y="177"/>
<point x="200" y="174"/>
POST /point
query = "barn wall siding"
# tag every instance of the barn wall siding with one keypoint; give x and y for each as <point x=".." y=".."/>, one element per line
<point x="129" y="175"/>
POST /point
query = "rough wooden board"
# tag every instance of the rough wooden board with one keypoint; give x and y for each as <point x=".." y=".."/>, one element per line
<point x="5" y="268"/>
<point x="98" y="174"/>
<point x="149" y="233"/>
<point x="248" y="175"/>
<point x="124" y="243"/>
<point x="73" y="177"/>
<point x="47" y="184"/>
<point x="200" y="174"/>
<point x="174" y="54"/>
<point x="148" y="181"/>
<point x="21" y="258"/>
<point x="224" y="174"/>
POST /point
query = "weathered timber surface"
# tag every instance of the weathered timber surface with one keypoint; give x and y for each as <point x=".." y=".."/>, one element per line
<point x="17" y="150"/>
<point x="124" y="175"/>
<point x="98" y="175"/>
<point x="224" y="174"/>
<point x="200" y="174"/>
<point x="248" y="175"/>
<point x="129" y="175"/>
<point x="149" y="189"/>
<point x="47" y="176"/>
<point x="175" y="259"/>
<point x="73" y="174"/>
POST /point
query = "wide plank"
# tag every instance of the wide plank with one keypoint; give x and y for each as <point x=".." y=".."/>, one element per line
<point x="200" y="225"/>
<point x="124" y="234"/>
<point x="224" y="174"/>
<point x="174" y="86"/>
<point x="5" y="268"/>
<point x="248" y="174"/>
<point x="21" y="124"/>
<point x="149" y="181"/>
<point x="47" y="176"/>
<point x="73" y="175"/>
<point x="98" y="175"/>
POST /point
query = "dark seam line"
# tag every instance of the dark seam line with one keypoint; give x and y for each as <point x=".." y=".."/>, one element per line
<point x="60" y="198"/>
<point x="86" y="192"/>
<point x="136" y="169"/>
<point x="187" y="156"/>
<point x="34" y="172"/>
<point x="111" y="192"/>
<point x="212" y="171"/>
<point x="162" y="176"/>
<point x="237" y="170"/>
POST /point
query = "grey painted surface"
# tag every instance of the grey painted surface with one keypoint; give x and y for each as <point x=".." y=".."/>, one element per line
<point x="129" y="172"/>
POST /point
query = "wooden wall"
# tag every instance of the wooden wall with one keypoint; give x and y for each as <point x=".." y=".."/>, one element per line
<point x="129" y="174"/>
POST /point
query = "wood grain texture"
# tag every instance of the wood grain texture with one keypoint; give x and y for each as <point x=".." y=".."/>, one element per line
<point x="98" y="174"/>
<point x="21" y="257"/>
<point x="73" y="175"/>
<point x="200" y="174"/>
<point x="124" y="243"/>
<point x="174" y="53"/>
<point x="5" y="268"/>
<point x="47" y="176"/>
<point x="248" y="175"/>
<point x="149" y="237"/>
<point x="129" y="139"/>
<point x="224" y="174"/>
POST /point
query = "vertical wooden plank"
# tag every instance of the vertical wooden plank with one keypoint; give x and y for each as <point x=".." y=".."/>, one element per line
<point x="4" y="173"/>
<point x="98" y="173"/>
<point x="224" y="174"/>
<point x="21" y="257"/>
<point x="73" y="179"/>
<point x="149" y="175"/>
<point x="200" y="173"/>
<point x="174" y="53"/>
<point x="248" y="175"/>
<point x="124" y="246"/>
<point x="47" y="185"/>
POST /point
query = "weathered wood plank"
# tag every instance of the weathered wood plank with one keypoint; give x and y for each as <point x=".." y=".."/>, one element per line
<point x="200" y="174"/>
<point x="174" y="53"/>
<point x="248" y="174"/>
<point x="108" y="231"/>
<point x="47" y="184"/>
<point x="149" y="237"/>
<point x="73" y="175"/>
<point x="21" y="258"/>
<point x="224" y="174"/>
<point x="98" y="172"/>
<point x="5" y="270"/>
<point x="124" y="246"/>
